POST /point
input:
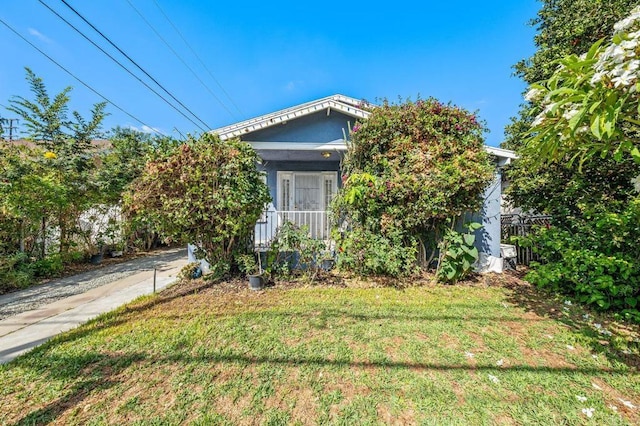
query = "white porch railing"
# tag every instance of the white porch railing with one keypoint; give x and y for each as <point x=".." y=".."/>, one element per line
<point x="317" y="223"/>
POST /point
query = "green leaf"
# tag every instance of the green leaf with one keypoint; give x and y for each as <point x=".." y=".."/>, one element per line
<point x="469" y="239"/>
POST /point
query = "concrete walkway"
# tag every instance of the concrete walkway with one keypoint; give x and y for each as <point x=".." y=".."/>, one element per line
<point x="23" y="332"/>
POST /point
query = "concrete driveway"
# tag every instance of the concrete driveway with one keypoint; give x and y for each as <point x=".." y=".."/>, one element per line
<point x="33" y="316"/>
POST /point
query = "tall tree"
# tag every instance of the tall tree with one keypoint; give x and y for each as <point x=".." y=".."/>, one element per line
<point x="68" y="160"/>
<point x="564" y="27"/>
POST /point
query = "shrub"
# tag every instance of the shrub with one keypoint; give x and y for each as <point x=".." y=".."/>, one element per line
<point x="408" y="170"/>
<point x="597" y="263"/>
<point x="16" y="271"/>
<point x="368" y="253"/>
<point x="293" y="249"/>
<point x="208" y="193"/>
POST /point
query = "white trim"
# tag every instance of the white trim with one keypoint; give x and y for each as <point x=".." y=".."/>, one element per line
<point x="344" y="104"/>
<point x="340" y="145"/>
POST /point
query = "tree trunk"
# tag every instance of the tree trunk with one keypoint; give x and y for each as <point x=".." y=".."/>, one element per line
<point x="44" y="237"/>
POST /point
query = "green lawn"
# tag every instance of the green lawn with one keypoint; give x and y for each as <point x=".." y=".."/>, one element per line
<point x="328" y="355"/>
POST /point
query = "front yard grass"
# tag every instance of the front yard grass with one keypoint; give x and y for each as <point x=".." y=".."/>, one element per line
<point x="326" y="355"/>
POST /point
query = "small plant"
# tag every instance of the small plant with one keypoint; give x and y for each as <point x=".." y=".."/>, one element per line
<point x="294" y="249"/>
<point x="457" y="253"/>
<point x="369" y="253"/>
<point x="248" y="264"/>
<point x="190" y="271"/>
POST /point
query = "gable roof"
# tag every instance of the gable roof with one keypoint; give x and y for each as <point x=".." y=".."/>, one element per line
<point x="344" y="104"/>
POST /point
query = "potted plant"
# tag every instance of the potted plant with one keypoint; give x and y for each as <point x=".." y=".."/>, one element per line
<point x="253" y="268"/>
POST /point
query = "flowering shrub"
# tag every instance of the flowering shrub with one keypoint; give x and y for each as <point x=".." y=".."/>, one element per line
<point x="590" y="105"/>
<point x="598" y="264"/>
<point x="410" y="170"/>
<point x="207" y="193"/>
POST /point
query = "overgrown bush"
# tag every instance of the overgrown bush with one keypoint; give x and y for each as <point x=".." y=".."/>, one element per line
<point x="16" y="271"/>
<point x="208" y="193"/>
<point x="410" y="170"/>
<point x="369" y="253"/>
<point x="598" y="263"/>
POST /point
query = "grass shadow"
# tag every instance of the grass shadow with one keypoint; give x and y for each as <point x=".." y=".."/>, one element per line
<point x="621" y="345"/>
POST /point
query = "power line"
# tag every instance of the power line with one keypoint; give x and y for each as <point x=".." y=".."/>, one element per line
<point x="133" y="62"/>
<point x="78" y="79"/>
<point x="180" y="58"/>
<point x="121" y="65"/>
<point x="197" y="56"/>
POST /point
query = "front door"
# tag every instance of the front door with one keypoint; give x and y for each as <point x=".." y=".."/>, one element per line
<point x="303" y="198"/>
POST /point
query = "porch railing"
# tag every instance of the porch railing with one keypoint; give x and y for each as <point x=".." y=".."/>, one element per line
<point x="317" y="223"/>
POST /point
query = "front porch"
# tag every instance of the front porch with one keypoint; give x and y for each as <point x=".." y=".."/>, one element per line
<point x="317" y="223"/>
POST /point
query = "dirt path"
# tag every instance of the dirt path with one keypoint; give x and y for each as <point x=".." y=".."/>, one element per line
<point x="40" y="295"/>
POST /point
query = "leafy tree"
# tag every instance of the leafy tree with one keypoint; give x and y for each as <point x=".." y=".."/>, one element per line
<point x="565" y="27"/>
<point x="129" y="150"/>
<point x="69" y="162"/>
<point x="590" y="105"/>
<point x="410" y="170"/>
<point x="208" y="193"/>
<point x="588" y="109"/>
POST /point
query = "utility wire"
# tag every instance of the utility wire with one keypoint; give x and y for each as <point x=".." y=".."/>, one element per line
<point x="120" y="64"/>
<point x="133" y="62"/>
<point x="197" y="56"/>
<point x="78" y="79"/>
<point x="180" y="58"/>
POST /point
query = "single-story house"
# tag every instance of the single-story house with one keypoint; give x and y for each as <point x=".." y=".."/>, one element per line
<point x="301" y="148"/>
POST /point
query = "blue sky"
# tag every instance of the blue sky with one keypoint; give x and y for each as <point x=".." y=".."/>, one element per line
<point x="266" y="56"/>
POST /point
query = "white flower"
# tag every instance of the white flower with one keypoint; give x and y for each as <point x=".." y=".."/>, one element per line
<point x="568" y="302"/>
<point x="615" y="53"/>
<point x="613" y="408"/>
<point x="597" y="325"/>
<point x="636" y="183"/>
<point x="538" y="120"/>
<point x="499" y="362"/>
<point x="594" y="356"/>
<point x="627" y="404"/>
<point x="624" y="24"/>
<point x="597" y="77"/>
<point x="581" y="398"/>
<point x="493" y="378"/>
<point x="570" y="347"/>
<point x="468" y="354"/>
<point x="626" y="79"/>
<point x="533" y="95"/>
<point x="588" y="412"/>
<point x="629" y="45"/>
<point x="586" y="316"/>
<point x="568" y="115"/>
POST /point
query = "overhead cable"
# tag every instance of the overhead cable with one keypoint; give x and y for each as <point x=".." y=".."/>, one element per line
<point x="121" y="65"/>
<point x="78" y="79"/>
<point x="197" y="56"/>
<point x="180" y="58"/>
<point x="133" y="62"/>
